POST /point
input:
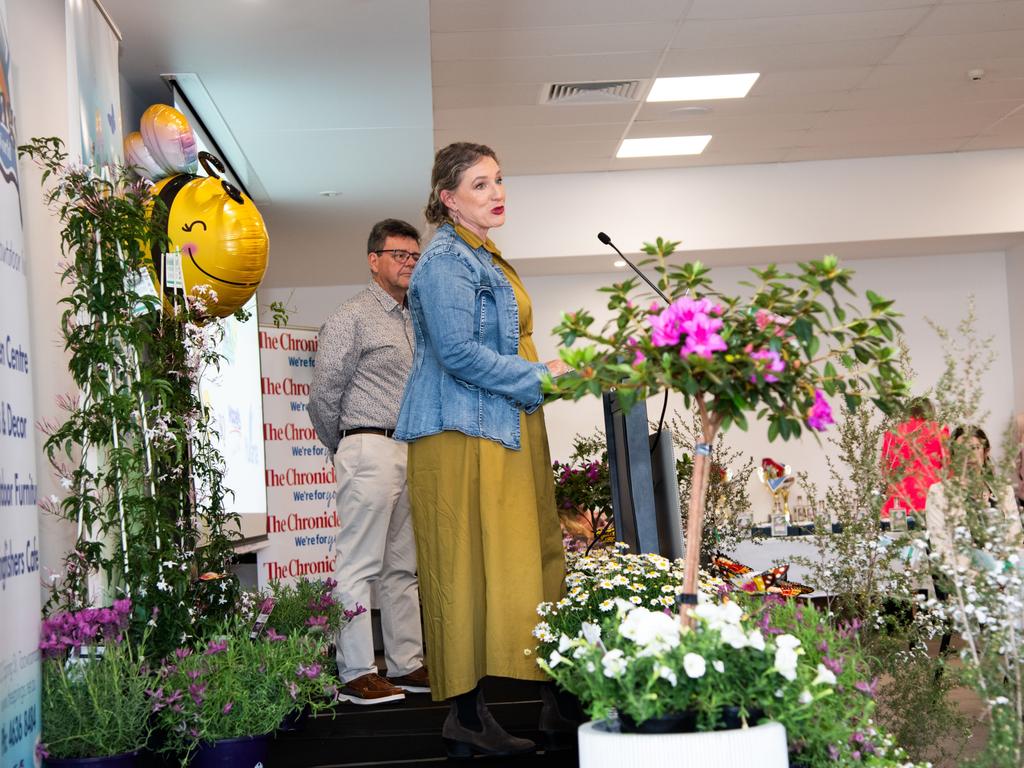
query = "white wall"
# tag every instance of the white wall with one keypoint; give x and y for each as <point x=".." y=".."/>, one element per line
<point x="782" y="204"/>
<point x="41" y="105"/>
<point x="1015" y="297"/>
<point x="924" y="288"/>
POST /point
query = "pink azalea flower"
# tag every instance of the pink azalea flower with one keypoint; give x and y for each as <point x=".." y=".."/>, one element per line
<point x="774" y="365"/>
<point x="701" y="339"/>
<point x="638" y="355"/>
<point x="820" y="414"/>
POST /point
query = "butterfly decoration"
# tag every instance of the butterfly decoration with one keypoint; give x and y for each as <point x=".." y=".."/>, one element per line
<point x="771" y="581"/>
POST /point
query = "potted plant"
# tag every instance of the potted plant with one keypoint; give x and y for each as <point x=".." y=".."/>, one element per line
<point x="218" y="703"/>
<point x="777" y="353"/>
<point x="722" y="693"/>
<point x="94" y="707"/>
<point x="583" y="495"/>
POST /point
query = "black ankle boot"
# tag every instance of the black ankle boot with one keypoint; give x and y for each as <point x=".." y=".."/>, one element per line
<point x="560" y="717"/>
<point x="462" y="741"/>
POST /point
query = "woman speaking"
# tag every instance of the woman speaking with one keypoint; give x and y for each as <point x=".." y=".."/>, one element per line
<point x="488" y="543"/>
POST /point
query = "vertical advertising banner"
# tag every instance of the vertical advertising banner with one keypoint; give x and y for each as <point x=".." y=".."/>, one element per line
<point x="301" y="484"/>
<point x="94" y="88"/>
<point x="19" y="532"/>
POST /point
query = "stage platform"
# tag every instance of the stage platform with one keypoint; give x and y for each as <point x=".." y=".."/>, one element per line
<point x="409" y="733"/>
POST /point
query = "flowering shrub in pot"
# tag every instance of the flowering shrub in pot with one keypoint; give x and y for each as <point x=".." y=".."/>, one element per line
<point x="777" y="353"/>
<point x="746" y="660"/>
<point x="94" y="683"/>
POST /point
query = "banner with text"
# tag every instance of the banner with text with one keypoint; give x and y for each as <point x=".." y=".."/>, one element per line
<point x="301" y="484"/>
<point x="19" y="532"/>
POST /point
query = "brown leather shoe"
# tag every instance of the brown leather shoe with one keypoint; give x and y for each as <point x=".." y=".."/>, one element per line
<point x="417" y="681"/>
<point x="492" y="739"/>
<point x="370" y="688"/>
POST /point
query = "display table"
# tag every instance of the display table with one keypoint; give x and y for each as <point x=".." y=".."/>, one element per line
<point x="763" y="551"/>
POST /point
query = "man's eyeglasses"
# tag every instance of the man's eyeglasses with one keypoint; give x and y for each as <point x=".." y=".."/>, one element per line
<point x="400" y="255"/>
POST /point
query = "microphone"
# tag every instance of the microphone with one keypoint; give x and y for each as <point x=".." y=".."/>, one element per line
<point x="608" y="241"/>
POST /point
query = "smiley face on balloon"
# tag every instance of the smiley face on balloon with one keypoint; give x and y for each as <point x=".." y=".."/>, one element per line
<point x="215" y="227"/>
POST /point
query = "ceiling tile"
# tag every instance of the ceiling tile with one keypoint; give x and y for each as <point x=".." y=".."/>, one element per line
<point x="936" y="115"/>
<point x="717" y="123"/>
<point x="497" y="95"/>
<point x="797" y="29"/>
<point x="873" y="149"/>
<point x="977" y="17"/>
<point x="546" y="69"/>
<point x="950" y="95"/>
<point x="469" y="15"/>
<point x="950" y="74"/>
<point x="747" y="9"/>
<point x="773" y="58"/>
<point x="473" y="118"/>
<point x="809" y="81"/>
<point x="499" y="136"/>
<point x="550" y="41"/>
<point x="969" y="47"/>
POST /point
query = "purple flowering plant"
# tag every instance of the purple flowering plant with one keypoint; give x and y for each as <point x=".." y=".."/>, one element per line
<point x="307" y="606"/>
<point x="778" y="352"/>
<point x="583" y="495"/>
<point x="233" y="686"/>
<point x="93" y="701"/>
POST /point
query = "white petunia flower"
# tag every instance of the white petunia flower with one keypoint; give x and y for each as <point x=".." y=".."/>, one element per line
<point x="785" y="662"/>
<point x="654" y="630"/>
<point x="786" y="641"/>
<point x="805" y="697"/>
<point x="694" y="665"/>
<point x="734" y="636"/>
<point x="755" y="640"/>
<point x="591" y="632"/>
<point x="825" y="676"/>
<point x="564" y="643"/>
<point x="666" y="673"/>
<point x="614" y="663"/>
<point x="718" y="665"/>
<point x="556" y="658"/>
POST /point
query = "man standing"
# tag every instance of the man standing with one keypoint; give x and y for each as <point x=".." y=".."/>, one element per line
<point x="363" y="360"/>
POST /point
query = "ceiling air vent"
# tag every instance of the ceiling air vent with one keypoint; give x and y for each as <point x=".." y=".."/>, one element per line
<point x="592" y="93"/>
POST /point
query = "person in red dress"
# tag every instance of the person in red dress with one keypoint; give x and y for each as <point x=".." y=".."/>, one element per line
<point x="912" y="457"/>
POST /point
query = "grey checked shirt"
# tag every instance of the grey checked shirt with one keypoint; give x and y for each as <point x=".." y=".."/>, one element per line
<point x="364" y="354"/>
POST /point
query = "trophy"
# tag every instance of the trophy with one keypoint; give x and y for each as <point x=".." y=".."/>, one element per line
<point x="778" y="479"/>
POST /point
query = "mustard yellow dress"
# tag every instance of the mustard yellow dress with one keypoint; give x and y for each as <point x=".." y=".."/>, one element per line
<point x="488" y="542"/>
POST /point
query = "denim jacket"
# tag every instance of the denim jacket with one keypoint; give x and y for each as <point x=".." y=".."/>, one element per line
<point x="467" y="374"/>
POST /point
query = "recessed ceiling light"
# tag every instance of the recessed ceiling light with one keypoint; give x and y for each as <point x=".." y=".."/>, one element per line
<point x="691" y="110"/>
<point x="663" y="146"/>
<point x="619" y="263"/>
<point x="702" y="87"/>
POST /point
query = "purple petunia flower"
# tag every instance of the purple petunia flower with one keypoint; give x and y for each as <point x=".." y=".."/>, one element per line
<point x="273" y="635"/>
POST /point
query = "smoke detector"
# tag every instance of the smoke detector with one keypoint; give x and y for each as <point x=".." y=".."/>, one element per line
<point x="617" y="92"/>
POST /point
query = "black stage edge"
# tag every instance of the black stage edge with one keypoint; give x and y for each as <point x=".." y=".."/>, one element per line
<point x="409" y="733"/>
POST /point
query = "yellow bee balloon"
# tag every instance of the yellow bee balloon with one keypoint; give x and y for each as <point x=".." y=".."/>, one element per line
<point x="220" y="234"/>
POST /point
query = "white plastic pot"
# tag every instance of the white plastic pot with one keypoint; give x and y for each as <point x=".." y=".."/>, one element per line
<point x="603" y="746"/>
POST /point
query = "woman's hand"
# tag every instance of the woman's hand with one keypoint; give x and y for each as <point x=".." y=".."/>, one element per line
<point x="557" y="368"/>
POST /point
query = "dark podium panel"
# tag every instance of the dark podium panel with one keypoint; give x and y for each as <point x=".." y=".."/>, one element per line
<point x="645" y="492"/>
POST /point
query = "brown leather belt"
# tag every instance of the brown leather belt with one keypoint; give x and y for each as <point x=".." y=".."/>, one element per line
<point x="366" y="431"/>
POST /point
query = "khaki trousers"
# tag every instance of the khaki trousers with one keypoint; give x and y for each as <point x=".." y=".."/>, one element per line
<point x="375" y="543"/>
